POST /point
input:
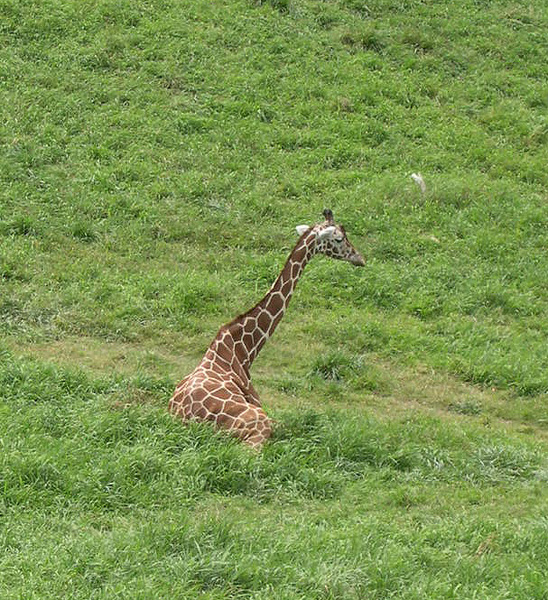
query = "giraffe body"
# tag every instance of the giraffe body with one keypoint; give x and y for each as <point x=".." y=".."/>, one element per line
<point x="219" y="389"/>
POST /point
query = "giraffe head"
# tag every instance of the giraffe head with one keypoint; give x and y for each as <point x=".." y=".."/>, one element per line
<point x="331" y="240"/>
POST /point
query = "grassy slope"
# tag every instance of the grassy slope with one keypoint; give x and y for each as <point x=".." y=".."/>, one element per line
<point x="155" y="158"/>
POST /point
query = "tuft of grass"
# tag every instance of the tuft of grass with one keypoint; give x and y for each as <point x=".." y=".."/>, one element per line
<point x="280" y="5"/>
<point x="466" y="407"/>
<point x="366" y="39"/>
<point x="23" y="225"/>
<point x="84" y="231"/>
<point x="334" y="366"/>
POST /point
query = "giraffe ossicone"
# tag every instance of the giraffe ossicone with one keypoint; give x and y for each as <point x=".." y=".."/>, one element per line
<point x="219" y="389"/>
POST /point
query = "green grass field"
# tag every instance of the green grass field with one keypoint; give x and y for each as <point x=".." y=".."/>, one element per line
<point x="155" y="158"/>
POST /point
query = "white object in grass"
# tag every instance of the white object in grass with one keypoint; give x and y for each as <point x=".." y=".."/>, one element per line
<point x="417" y="178"/>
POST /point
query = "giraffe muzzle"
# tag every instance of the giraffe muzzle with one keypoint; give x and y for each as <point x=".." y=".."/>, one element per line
<point x="357" y="260"/>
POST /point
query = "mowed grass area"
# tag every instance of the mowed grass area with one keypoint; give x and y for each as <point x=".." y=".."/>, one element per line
<point x="155" y="158"/>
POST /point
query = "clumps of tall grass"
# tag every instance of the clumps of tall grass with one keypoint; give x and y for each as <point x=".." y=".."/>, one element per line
<point x="334" y="366"/>
<point x="29" y="382"/>
<point x="341" y="367"/>
<point x="280" y="5"/>
<point x="365" y="39"/>
<point x="72" y="440"/>
<point x="20" y="225"/>
<point x="84" y="231"/>
<point x="466" y="407"/>
<point x="420" y="449"/>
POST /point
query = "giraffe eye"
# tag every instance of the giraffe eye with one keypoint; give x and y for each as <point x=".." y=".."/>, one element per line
<point x="338" y="240"/>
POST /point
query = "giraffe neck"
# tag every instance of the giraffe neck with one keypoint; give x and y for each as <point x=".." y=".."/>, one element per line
<point x="251" y="330"/>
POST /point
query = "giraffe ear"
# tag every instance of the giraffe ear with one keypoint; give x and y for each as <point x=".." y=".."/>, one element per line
<point x="302" y="229"/>
<point x="328" y="214"/>
<point x="326" y="233"/>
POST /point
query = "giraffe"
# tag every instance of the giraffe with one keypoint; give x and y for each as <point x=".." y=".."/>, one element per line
<point x="220" y="389"/>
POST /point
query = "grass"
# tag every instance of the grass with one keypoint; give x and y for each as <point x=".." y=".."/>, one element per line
<point x="106" y="497"/>
<point x="155" y="159"/>
<point x="137" y="505"/>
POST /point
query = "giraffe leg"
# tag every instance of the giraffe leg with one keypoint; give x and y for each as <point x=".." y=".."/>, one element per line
<point x="245" y="421"/>
<point x="251" y="395"/>
<point x="226" y="406"/>
<point x="255" y="441"/>
<point x="259" y="433"/>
